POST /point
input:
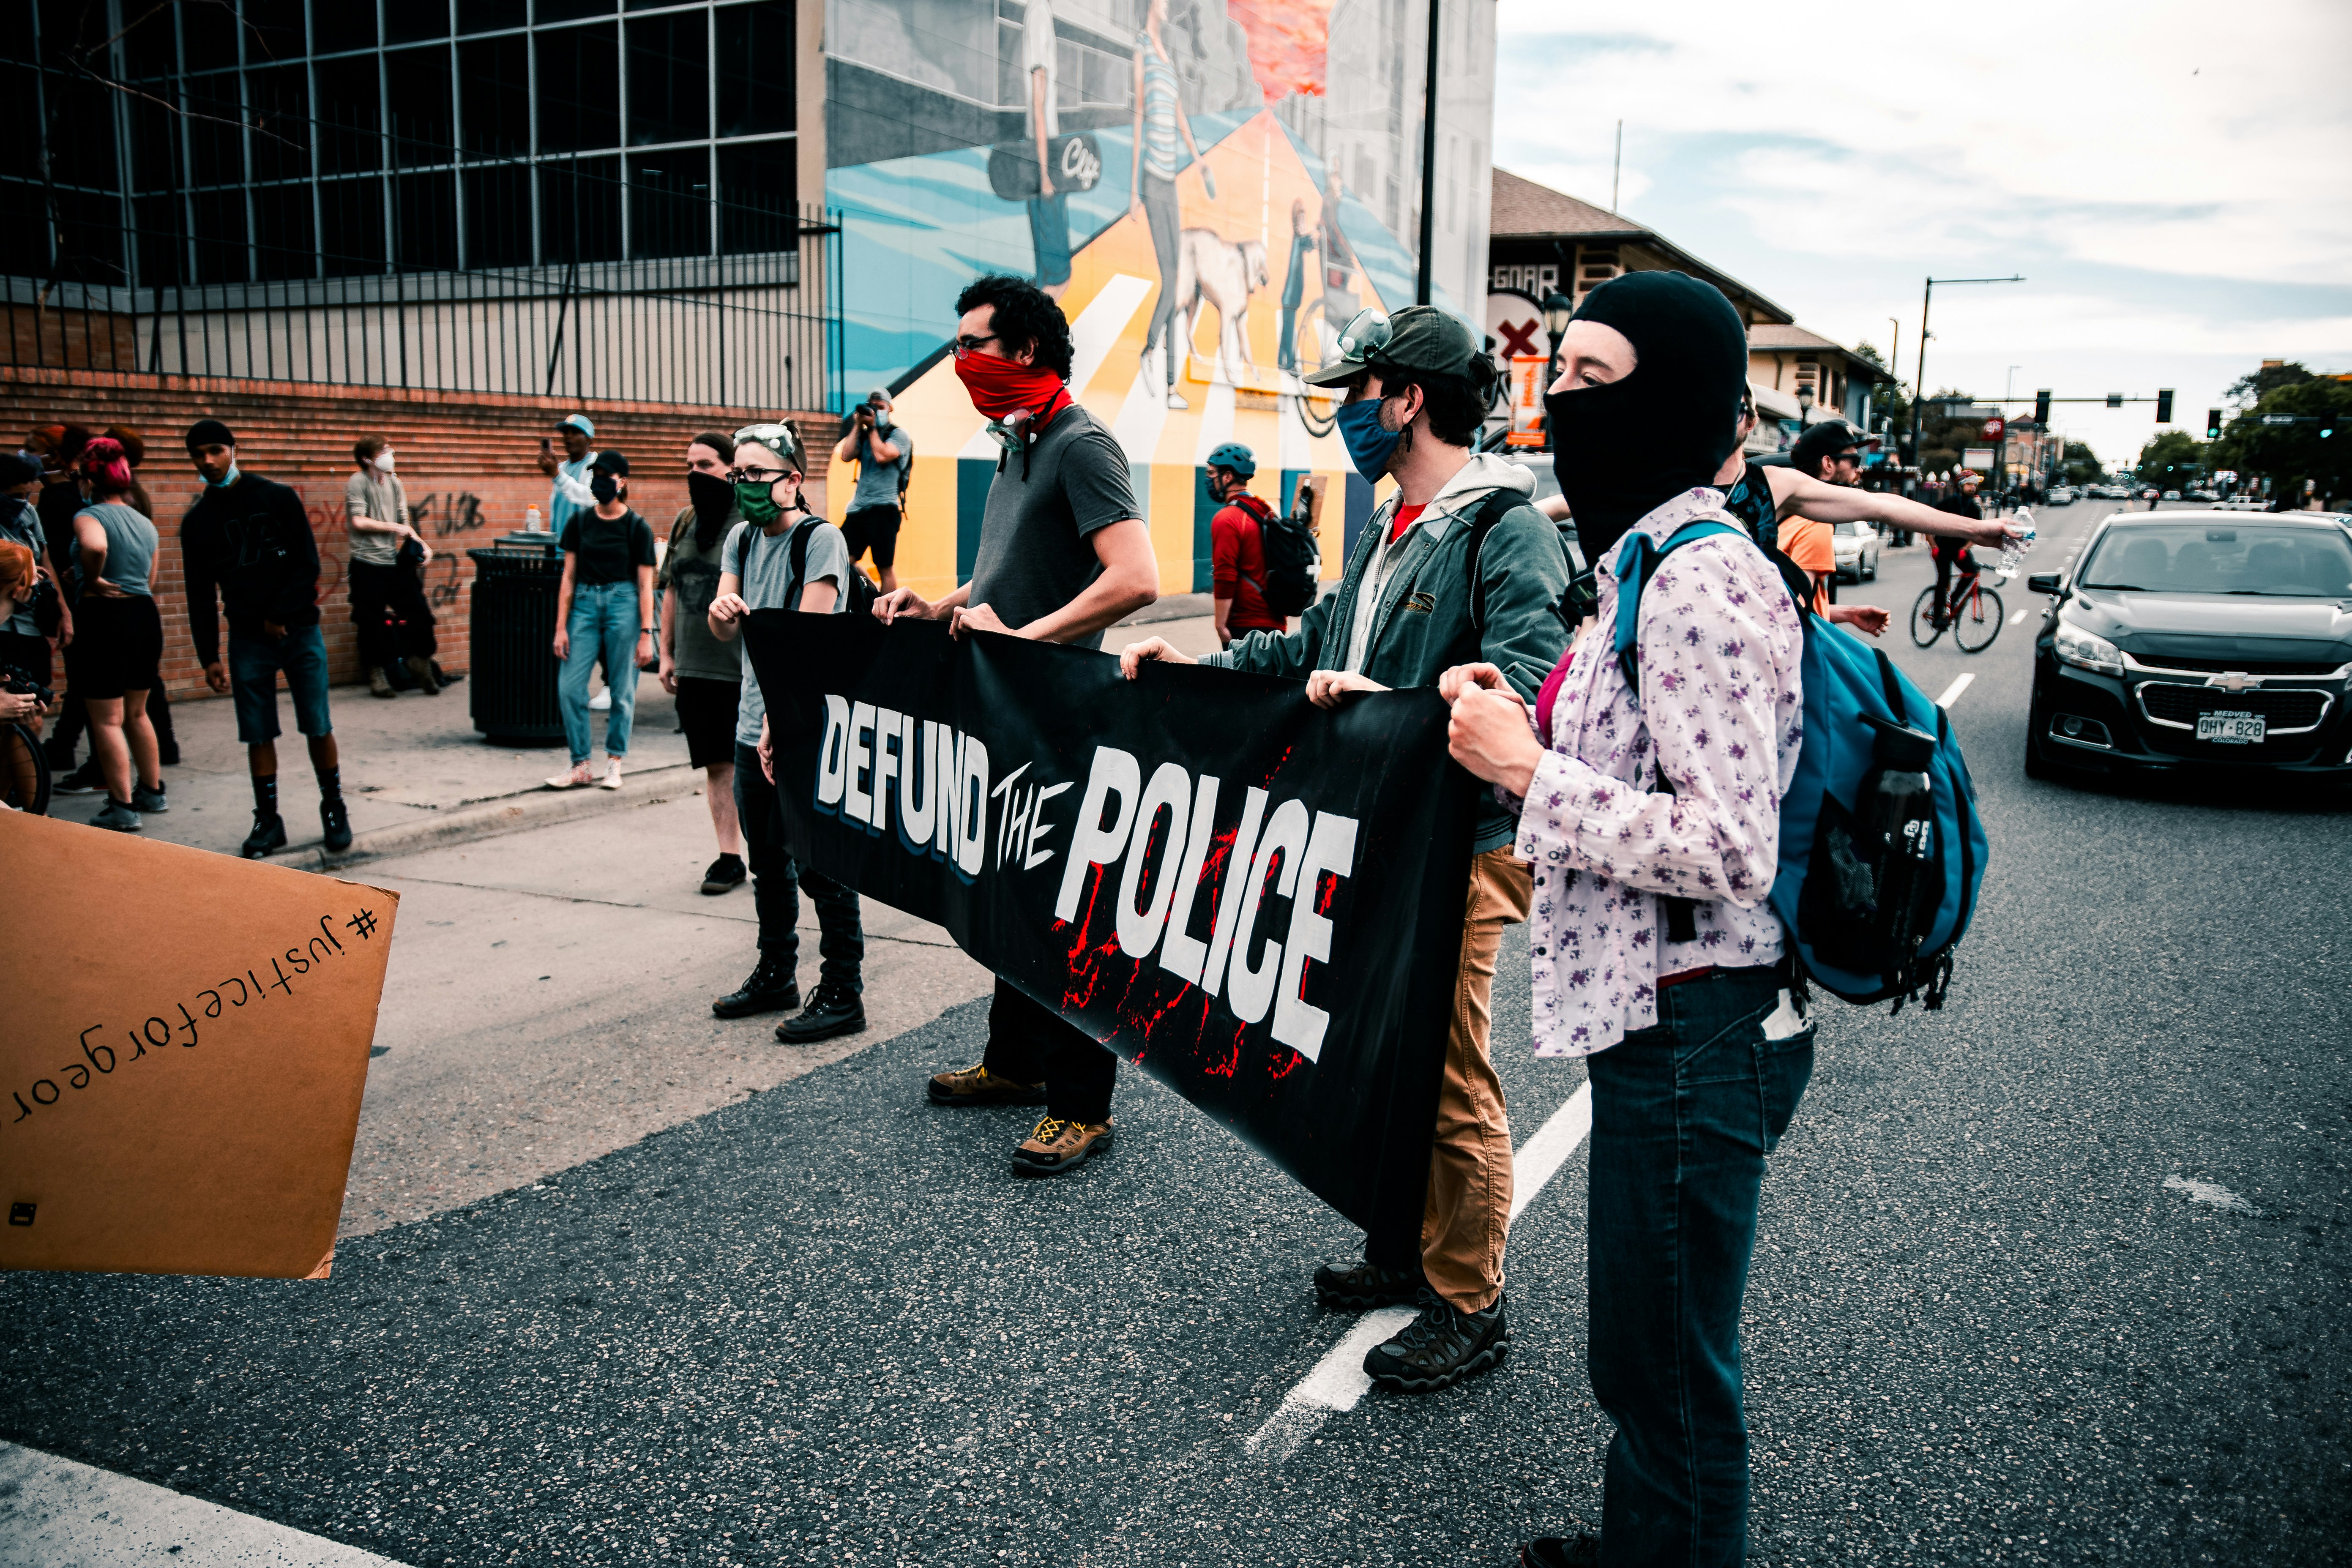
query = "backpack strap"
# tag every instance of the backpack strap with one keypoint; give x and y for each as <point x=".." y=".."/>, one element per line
<point x="796" y="564"/>
<point x="1894" y="684"/>
<point x="1637" y="560"/>
<point x="1482" y="523"/>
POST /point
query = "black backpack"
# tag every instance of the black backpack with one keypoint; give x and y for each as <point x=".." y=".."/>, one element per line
<point x="860" y="587"/>
<point x="1294" y="558"/>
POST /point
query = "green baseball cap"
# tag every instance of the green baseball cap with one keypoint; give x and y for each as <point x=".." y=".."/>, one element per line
<point x="1419" y="337"/>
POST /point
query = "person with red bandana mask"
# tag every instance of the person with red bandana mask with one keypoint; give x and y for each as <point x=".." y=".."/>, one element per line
<point x="1064" y="554"/>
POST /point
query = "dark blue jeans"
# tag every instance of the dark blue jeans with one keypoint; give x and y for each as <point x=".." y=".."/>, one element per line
<point x="777" y="881"/>
<point x="1683" y="1115"/>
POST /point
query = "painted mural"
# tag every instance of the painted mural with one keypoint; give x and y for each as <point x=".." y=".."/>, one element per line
<point x="1210" y="188"/>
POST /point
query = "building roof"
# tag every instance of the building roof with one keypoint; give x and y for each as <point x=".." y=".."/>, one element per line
<point x="1788" y="335"/>
<point x="1523" y="209"/>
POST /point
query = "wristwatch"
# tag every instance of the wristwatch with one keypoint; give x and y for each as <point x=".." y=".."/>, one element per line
<point x="644" y="631"/>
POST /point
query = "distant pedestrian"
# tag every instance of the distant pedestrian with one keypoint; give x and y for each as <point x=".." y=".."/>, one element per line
<point x="704" y="674"/>
<point x="1237" y="547"/>
<point x="396" y="623"/>
<point x="116" y="658"/>
<point x="757" y="573"/>
<point x="248" y="538"/>
<point x="571" y="492"/>
<point x="158" y="702"/>
<point x="605" y="607"/>
<point x="27" y="642"/>
<point x="885" y="456"/>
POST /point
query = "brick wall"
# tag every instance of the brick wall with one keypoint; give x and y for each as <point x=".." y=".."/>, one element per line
<point x="469" y="462"/>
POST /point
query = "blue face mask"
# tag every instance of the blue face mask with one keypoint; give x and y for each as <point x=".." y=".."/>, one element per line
<point x="226" y="479"/>
<point x="1369" y="445"/>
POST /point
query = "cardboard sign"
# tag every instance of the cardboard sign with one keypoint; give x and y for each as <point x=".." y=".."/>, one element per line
<point x="183" y="1044"/>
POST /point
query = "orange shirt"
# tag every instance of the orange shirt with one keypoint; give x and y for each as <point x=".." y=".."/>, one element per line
<point x="1807" y="543"/>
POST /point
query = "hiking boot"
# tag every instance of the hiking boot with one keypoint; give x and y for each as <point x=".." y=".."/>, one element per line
<point x="724" y="875"/>
<point x="770" y="989"/>
<point x="143" y="799"/>
<point x="1360" y="1287"/>
<point x="834" y="1010"/>
<point x="978" y="1086"/>
<point x="1439" y="1348"/>
<point x="421" y="668"/>
<point x="1057" y="1145"/>
<point x="377" y="685"/>
<point x="335" y="819"/>
<point x="84" y="780"/>
<point x="1562" y="1551"/>
<point x="269" y="833"/>
<point x="117" y="816"/>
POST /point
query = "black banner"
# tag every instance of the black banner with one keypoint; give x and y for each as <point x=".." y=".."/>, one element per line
<point x="1080" y="834"/>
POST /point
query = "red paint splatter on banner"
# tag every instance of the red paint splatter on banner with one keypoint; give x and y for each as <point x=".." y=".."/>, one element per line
<point x="1282" y="1066"/>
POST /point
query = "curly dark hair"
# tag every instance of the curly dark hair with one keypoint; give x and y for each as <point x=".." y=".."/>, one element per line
<point x="1458" y="404"/>
<point x="1025" y="317"/>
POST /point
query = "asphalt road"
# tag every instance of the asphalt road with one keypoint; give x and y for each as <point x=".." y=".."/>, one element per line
<point x="2055" y="1275"/>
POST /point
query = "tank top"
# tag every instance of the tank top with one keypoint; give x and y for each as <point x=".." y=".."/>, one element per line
<point x="1750" y="500"/>
<point x="1160" y="140"/>
<point x="131" y="542"/>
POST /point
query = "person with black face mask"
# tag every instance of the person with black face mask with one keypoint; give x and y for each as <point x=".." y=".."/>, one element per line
<point x="1651" y="812"/>
<point x="604" y="605"/>
<point x="704" y="674"/>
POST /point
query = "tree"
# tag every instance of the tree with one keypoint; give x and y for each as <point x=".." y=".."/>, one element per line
<point x="1886" y="400"/>
<point x="2316" y="446"/>
<point x="2172" y="460"/>
<point x="2259" y="383"/>
<point x="2081" y="464"/>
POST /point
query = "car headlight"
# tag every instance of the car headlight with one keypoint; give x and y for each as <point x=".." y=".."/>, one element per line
<point x="2078" y="648"/>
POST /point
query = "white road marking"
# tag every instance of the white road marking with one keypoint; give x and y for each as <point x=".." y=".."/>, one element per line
<point x="2212" y="1192"/>
<point x="1336" y="1382"/>
<point x="2017" y="617"/>
<point x="55" y="1512"/>
<point x="1952" y="693"/>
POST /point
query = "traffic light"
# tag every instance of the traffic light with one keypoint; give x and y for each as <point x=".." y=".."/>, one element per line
<point x="2041" y="407"/>
<point x="2212" y="424"/>
<point x="2164" y="405"/>
<point x="2115" y="400"/>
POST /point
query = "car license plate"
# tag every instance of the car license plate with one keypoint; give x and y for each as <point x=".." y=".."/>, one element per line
<point x="2232" y="728"/>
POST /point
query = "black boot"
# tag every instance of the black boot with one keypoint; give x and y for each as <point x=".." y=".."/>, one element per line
<point x="1439" y="1348"/>
<point x="269" y="833"/>
<point x="770" y="989"/>
<point x="834" y="1010"/>
<point x="1360" y="1287"/>
<point x="335" y="819"/>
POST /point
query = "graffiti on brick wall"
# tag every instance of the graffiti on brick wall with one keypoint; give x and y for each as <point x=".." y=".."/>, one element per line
<point x="461" y="515"/>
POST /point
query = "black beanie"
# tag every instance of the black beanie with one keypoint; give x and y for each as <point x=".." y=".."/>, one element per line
<point x="16" y="470"/>
<point x="210" y="433"/>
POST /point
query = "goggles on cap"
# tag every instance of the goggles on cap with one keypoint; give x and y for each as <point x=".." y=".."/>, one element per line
<point x="1365" y="334"/>
<point x="782" y="439"/>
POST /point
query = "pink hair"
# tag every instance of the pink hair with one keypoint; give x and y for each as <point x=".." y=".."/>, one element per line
<point x="106" y="465"/>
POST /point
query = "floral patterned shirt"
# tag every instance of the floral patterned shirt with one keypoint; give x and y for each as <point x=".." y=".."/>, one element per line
<point x="1720" y="714"/>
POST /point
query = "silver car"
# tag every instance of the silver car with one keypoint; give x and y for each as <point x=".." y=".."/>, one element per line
<point x="1855" y="546"/>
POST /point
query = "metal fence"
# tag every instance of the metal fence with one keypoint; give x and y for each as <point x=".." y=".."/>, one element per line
<point x="609" y="284"/>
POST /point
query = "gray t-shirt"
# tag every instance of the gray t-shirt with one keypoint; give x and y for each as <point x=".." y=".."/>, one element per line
<point x="767" y="586"/>
<point x="694" y="572"/>
<point x="1034" y="555"/>
<point x="375" y="494"/>
<point x="878" y="484"/>
<point x="130" y="545"/>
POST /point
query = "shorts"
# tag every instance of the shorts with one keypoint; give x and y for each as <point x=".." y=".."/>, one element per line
<point x="118" y="646"/>
<point x="254" y="664"/>
<point x="872" y="525"/>
<point x="705" y="712"/>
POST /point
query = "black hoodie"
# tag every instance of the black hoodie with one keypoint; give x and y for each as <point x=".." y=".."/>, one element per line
<point x="251" y="541"/>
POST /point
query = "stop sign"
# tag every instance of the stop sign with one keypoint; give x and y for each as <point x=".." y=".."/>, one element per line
<point x="1992" y="429"/>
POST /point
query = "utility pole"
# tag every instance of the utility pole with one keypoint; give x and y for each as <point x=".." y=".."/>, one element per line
<point x="1617" y="166"/>
<point x="1919" y="392"/>
<point x="1428" y="165"/>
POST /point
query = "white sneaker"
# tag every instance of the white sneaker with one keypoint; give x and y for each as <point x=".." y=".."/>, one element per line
<point x="572" y="780"/>
<point x="602" y="702"/>
<point x="612" y="779"/>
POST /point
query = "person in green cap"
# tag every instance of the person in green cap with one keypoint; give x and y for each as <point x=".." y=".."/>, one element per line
<point x="1459" y="535"/>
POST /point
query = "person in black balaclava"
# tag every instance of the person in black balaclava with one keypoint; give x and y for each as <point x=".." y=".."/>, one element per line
<point x="1650" y="815"/>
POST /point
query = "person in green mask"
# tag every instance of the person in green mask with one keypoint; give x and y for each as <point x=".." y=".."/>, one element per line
<point x="755" y="573"/>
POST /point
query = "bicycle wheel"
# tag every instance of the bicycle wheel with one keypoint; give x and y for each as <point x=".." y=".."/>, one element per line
<point x="1923" y="630"/>
<point x="1979" y="621"/>
<point x="23" y="771"/>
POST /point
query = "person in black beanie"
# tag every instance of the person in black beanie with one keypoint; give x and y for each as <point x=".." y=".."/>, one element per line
<point x="248" y="539"/>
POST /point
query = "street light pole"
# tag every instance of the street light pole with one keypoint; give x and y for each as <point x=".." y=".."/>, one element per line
<point x="1919" y="390"/>
<point x="1428" y="165"/>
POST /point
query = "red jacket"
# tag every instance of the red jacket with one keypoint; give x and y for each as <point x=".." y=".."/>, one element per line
<point x="1238" y="551"/>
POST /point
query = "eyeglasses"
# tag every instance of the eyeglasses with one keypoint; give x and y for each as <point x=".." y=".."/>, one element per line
<point x="965" y="347"/>
<point x="757" y="475"/>
<point x="1364" y="336"/>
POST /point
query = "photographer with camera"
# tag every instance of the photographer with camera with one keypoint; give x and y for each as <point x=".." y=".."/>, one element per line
<point x="885" y="456"/>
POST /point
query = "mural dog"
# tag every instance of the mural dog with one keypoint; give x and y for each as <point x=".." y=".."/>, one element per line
<point x="1222" y="273"/>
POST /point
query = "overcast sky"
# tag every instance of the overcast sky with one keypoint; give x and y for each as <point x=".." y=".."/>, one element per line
<point x="2174" y="182"/>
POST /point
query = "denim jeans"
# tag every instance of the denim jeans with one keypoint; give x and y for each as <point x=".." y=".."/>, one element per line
<point x="1683" y="1115"/>
<point x="777" y="881"/>
<point x="604" y="621"/>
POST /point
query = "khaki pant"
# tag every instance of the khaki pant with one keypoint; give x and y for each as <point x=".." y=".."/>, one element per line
<point x="1468" y="1212"/>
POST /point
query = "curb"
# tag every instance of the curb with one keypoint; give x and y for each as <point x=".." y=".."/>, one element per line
<point x="490" y="818"/>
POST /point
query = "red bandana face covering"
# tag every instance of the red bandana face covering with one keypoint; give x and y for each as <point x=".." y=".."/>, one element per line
<point x="1001" y="388"/>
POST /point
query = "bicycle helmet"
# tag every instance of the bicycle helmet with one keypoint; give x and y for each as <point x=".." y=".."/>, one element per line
<point x="1234" y="456"/>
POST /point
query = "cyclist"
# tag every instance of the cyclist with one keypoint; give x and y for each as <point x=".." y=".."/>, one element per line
<point x="1952" y="555"/>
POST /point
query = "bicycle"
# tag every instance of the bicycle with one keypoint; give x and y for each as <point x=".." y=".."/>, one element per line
<point x="1974" y="614"/>
<point x="24" y="763"/>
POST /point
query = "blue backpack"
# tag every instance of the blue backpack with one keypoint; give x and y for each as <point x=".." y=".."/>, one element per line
<point x="1869" y="919"/>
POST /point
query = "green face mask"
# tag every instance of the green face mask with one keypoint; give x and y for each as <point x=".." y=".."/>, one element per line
<point x="758" y="503"/>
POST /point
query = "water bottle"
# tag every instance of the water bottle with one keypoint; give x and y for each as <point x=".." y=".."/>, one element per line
<point x="2012" y="556"/>
<point x="1897" y="806"/>
<point x="532" y="521"/>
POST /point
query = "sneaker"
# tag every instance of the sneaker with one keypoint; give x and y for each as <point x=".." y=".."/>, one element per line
<point x="143" y="799"/>
<point x="1362" y="1287"/>
<point x="422" y="668"/>
<point x="117" y="816"/>
<point x="84" y="780"/>
<point x="770" y="989"/>
<point x="978" y="1086"/>
<point x="1439" y="1348"/>
<point x="1057" y="1145"/>
<point x="578" y="775"/>
<point x="612" y="779"/>
<point x="602" y="702"/>
<point x="377" y="685"/>
<point x="724" y="875"/>
<point x="335" y="819"/>
<point x="834" y="1010"/>
<point x="269" y="833"/>
<point x="1560" y="1552"/>
<point x="1176" y="399"/>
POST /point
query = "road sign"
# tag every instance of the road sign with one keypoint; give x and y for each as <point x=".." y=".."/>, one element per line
<point x="1992" y="429"/>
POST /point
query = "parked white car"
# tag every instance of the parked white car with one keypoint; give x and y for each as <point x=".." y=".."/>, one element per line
<point x="1856" y="547"/>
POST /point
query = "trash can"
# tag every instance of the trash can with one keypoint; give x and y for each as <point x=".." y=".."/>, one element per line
<point x="512" y="639"/>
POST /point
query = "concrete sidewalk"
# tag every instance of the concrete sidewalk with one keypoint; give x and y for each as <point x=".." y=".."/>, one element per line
<point x="418" y="775"/>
